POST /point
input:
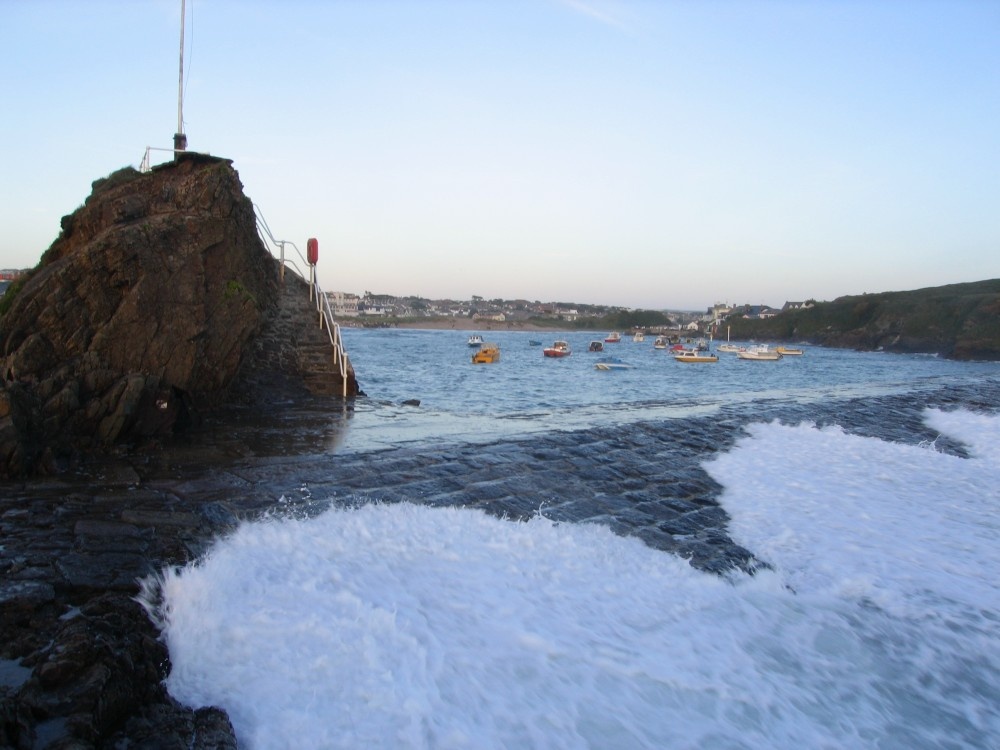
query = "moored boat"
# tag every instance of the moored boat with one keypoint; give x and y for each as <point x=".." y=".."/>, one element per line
<point x="611" y="363"/>
<point x="727" y="347"/>
<point x="613" y="338"/>
<point x="638" y="337"/>
<point x="558" y="349"/>
<point x="695" y="355"/>
<point x="789" y="351"/>
<point x="475" y="340"/>
<point x="660" y="342"/>
<point x="487" y="354"/>
<point x="759" y="353"/>
<point x="596" y="346"/>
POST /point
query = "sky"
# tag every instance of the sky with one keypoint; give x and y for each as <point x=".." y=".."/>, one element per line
<point x="667" y="154"/>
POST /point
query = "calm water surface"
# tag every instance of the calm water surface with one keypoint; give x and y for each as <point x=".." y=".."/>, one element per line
<point x="526" y="393"/>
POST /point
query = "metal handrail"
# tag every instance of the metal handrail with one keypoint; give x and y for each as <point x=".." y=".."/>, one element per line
<point x="323" y="308"/>
<point x="145" y="165"/>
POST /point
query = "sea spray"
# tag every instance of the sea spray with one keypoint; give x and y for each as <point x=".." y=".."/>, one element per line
<point x="418" y="627"/>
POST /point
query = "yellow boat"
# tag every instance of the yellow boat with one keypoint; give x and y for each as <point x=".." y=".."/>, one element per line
<point x="487" y="354"/>
<point x="789" y="351"/>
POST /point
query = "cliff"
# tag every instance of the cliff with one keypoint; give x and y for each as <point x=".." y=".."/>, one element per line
<point x="148" y="308"/>
<point x="959" y="321"/>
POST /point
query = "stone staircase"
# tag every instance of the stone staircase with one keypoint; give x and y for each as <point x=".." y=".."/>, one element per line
<point x="293" y="354"/>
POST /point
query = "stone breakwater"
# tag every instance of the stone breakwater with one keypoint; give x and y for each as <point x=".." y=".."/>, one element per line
<point x="81" y="664"/>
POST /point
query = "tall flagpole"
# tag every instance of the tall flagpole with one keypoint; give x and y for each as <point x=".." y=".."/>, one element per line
<point x="180" y="140"/>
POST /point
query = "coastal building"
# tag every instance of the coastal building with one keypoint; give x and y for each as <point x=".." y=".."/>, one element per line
<point x="798" y="305"/>
<point x="344" y="304"/>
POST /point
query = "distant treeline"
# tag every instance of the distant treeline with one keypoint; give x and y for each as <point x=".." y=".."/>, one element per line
<point x="959" y="321"/>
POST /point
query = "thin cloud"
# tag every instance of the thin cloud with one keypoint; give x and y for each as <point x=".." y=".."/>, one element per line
<point x="598" y="11"/>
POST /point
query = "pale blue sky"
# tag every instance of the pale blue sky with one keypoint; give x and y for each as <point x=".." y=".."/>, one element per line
<point x="648" y="154"/>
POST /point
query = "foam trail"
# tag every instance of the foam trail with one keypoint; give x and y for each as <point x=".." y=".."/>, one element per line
<point x="407" y="626"/>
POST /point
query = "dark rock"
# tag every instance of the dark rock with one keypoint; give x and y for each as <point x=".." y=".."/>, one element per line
<point x="157" y="302"/>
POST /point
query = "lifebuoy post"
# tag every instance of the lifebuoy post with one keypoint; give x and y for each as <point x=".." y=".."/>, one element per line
<point x="312" y="257"/>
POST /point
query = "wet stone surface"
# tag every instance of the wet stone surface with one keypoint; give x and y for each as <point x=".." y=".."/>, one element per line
<point x="82" y="663"/>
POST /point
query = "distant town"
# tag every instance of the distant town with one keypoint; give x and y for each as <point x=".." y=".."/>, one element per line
<point x="377" y="309"/>
<point x="370" y="309"/>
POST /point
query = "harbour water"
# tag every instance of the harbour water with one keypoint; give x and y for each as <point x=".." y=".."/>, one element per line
<point x="869" y="617"/>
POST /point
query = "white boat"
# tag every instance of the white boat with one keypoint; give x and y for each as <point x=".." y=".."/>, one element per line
<point x="613" y="338"/>
<point x="611" y="363"/>
<point x="727" y="347"/>
<point x="475" y="340"/>
<point x="695" y="355"/>
<point x="759" y="353"/>
<point x="661" y="342"/>
<point x="638" y="337"/>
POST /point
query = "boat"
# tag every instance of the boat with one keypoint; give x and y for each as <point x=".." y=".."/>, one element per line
<point x="611" y="363"/>
<point x="759" y="353"/>
<point x="534" y="342"/>
<point x="487" y="354"/>
<point x="727" y="347"/>
<point x="596" y="346"/>
<point x="788" y="351"/>
<point x="475" y="340"/>
<point x="660" y="342"/>
<point x="638" y="337"/>
<point x="558" y="349"/>
<point x="613" y="338"/>
<point x="695" y="355"/>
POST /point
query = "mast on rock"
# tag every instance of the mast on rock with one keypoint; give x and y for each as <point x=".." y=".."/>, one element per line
<point x="180" y="139"/>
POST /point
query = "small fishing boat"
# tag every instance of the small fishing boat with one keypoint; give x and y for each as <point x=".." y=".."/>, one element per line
<point x="695" y="355"/>
<point x="638" y="337"/>
<point x="727" y="347"/>
<point x="596" y="346"/>
<point x="611" y="363"/>
<point x="487" y="354"/>
<point x="613" y="338"/>
<point x="558" y="349"/>
<point x="475" y="340"/>
<point x="788" y="351"/>
<point x="759" y="353"/>
<point x="661" y="342"/>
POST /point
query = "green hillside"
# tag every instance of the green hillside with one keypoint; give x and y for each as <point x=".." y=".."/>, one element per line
<point x="960" y="321"/>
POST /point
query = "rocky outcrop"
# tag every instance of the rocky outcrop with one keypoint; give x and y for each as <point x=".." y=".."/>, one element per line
<point x="145" y="311"/>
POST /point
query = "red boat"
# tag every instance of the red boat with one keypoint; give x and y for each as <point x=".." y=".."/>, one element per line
<point x="558" y="349"/>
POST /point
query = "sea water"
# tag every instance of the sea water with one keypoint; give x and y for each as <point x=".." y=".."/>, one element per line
<point x="877" y="624"/>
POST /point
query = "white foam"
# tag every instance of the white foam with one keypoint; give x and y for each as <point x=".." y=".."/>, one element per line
<point x="404" y="626"/>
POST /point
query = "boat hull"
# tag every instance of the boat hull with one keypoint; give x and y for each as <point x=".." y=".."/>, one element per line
<point x="696" y="358"/>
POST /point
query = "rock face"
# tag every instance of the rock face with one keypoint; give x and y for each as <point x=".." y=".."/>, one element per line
<point x="143" y="312"/>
